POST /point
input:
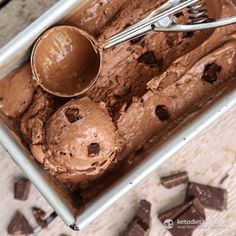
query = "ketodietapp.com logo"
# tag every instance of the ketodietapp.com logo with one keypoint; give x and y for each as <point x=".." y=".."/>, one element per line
<point x="169" y="224"/>
<point x="188" y="224"/>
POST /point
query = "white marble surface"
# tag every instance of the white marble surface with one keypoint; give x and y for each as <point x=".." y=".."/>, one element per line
<point x="208" y="158"/>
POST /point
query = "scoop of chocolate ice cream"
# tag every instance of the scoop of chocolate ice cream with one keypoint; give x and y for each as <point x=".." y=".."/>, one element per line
<point x="16" y="91"/>
<point x="81" y="142"/>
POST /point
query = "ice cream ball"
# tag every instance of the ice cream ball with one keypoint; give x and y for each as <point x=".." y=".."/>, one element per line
<point x="81" y="142"/>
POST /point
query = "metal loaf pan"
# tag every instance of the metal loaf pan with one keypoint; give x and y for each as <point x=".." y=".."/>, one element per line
<point x="14" y="54"/>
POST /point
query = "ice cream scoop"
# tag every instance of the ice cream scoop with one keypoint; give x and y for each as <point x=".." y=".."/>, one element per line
<point x="81" y="142"/>
<point x="66" y="60"/>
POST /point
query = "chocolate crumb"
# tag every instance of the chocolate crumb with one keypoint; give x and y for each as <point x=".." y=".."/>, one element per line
<point x="162" y="112"/>
<point x="211" y="73"/>
<point x="72" y="115"/>
<point x="93" y="149"/>
<point x="21" y="189"/>
<point x="19" y="225"/>
<point x="174" y="180"/>
<point x="210" y="197"/>
<point x="39" y="216"/>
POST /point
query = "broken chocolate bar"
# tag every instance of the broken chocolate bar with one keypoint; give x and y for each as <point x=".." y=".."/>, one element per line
<point x="22" y="188"/>
<point x="184" y="219"/>
<point x="174" y="180"/>
<point x="141" y="222"/>
<point x="19" y="225"/>
<point x="187" y="222"/>
<point x="210" y="197"/>
<point x="39" y="216"/>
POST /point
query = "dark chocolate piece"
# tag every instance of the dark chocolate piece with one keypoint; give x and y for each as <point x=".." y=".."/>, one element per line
<point x="174" y="180"/>
<point x="134" y="229"/>
<point x="19" y="225"/>
<point x="162" y="112"/>
<point x="210" y="197"/>
<point x="211" y="73"/>
<point x="174" y="212"/>
<point x="186" y="223"/>
<point x="73" y="115"/>
<point x="140" y="224"/>
<point x="175" y="220"/>
<point x="39" y="216"/>
<point x="143" y="214"/>
<point x="93" y="149"/>
<point x="21" y="189"/>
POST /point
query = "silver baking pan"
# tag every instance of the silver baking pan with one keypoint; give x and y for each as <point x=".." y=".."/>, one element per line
<point x="15" y="53"/>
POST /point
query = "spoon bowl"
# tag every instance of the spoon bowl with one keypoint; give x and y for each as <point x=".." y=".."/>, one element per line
<point x="66" y="61"/>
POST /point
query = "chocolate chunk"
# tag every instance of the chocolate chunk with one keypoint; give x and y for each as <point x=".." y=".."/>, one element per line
<point x="211" y="73"/>
<point x="186" y="223"/>
<point x="184" y="219"/>
<point x="19" y="225"/>
<point x="210" y="197"/>
<point x="21" y="189"/>
<point x="174" y="180"/>
<point x="174" y="212"/>
<point x="93" y="149"/>
<point x="148" y="58"/>
<point x="141" y="222"/>
<point x="143" y="214"/>
<point x="72" y="115"/>
<point x="134" y="229"/>
<point x="39" y="216"/>
<point x="162" y="112"/>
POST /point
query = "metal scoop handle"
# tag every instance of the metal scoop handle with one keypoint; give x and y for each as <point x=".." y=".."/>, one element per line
<point x="162" y="19"/>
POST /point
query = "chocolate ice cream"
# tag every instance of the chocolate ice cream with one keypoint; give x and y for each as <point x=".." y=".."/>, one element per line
<point x="146" y="86"/>
<point x="80" y="142"/>
<point x="16" y="91"/>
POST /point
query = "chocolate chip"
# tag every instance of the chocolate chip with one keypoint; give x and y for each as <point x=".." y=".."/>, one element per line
<point x="162" y="112"/>
<point x="175" y="179"/>
<point x="39" y="216"/>
<point x="93" y="149"/>
<point x="210" y="197"/>
<point x="72" y="115"/>
<point x="21" y="189"/>
<point x="19" y="225"/>
<point x="148" y="58"/>
<point x="1" y="99"/>
<point x="211" y="73"/>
